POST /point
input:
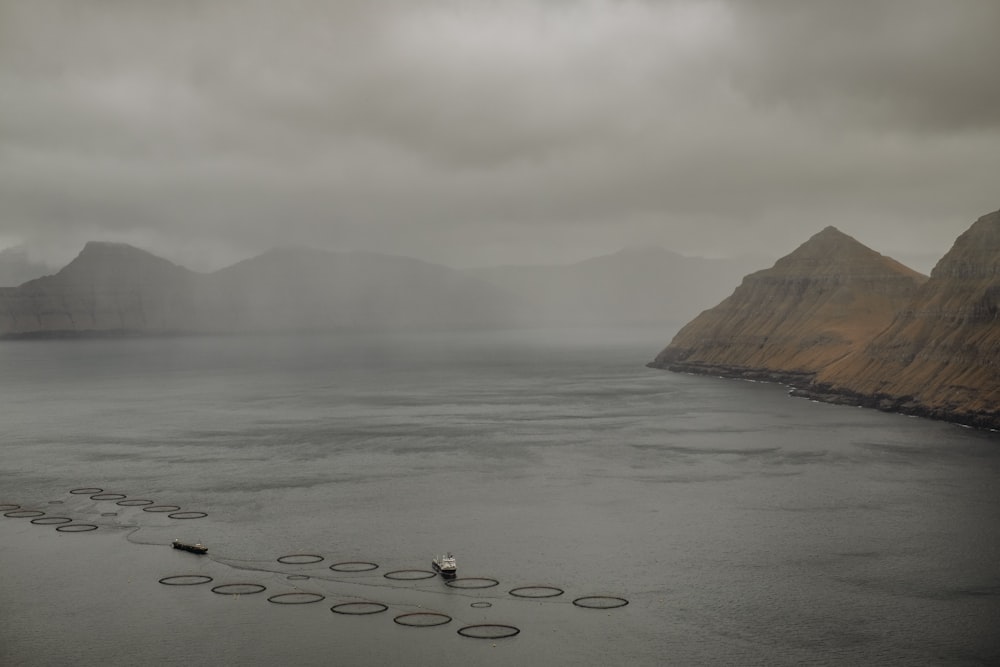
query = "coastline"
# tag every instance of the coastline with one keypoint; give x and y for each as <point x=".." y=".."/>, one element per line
<point x="801" y="385"/>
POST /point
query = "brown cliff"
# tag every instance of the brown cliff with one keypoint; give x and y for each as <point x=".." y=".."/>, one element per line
<point x="815" y="306"/>
<point x="940" y="357"/>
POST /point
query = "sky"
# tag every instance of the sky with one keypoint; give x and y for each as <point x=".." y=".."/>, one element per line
<point x="474" y="133"/>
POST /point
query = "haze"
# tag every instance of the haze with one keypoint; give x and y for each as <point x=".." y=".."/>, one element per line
<point x="483" y="133"/>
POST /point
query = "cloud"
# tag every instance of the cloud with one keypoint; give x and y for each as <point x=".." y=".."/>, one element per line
<point x="477" y="132"/>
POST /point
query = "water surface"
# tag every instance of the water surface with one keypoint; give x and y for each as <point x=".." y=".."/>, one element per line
<point x="742" y="525"/>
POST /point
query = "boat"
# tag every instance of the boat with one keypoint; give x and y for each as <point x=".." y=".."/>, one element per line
<point x="445" y="565"/>
<point x="193" y="548"/>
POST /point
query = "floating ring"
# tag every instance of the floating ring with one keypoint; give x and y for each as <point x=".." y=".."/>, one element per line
<point x="473" y="582"/>
<point x="135" y="502"/>
<point x="536" y="592"/>
<point x="109" y="513"/>
<point x="297" y="577"/>
<point x="76" y="528"/>
<point x="483" y="631"/>
<point x="354" y="566"/>
<point x="433" y="619"/>
<point x="482" y="604"/>
<point x="55" y="502"/>
<point x="186" y="580"/>
<point x="364" y="608"/>
<point x="9" y="507"/>
<point x="108" y="496"/>
<point x="300" y="559"/>
<point x="23" y="514"/>
<point x="593" y="602"/>
<point x="51" y="520"/>
<point x="161" y="508"/>
<point x="187" y="515"/>
<point x="86" y="491"/>
<point x="409" y="575"/>
<point x="232" y="589"/>
<point x="296" y="598"/>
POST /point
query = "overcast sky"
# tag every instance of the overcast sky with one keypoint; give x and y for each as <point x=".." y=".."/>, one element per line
<point x="472" y="133"/>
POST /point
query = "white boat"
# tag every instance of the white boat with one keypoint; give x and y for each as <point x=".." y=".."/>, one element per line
<point x="445" y="565"/>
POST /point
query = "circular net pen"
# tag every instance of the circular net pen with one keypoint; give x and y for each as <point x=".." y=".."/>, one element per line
<point x="422" y="619"/>
<point x="161" y="508"/>
<point x="134" y="502"/>
<point x="187" y="515"/>
<point x="409" y="575"/>
<point x="296" y="598"/>
<point x="359" y="608"/>
<point x="52" y="520"/>
<point x="482" y="604"/>
<point x="300" y="559"/>
<point x="76" y="528"/>
<point x="23" y="514"/>
<point x="489" y="631"/>
<point x="297" y="577"/>
<point x="472" y="582"/>
<point x="239" y="589"/>
<point x="354" y="566"/>
<point x="108" y="496"/>
<point x="536" y="592"/>
<point x="86" y="491"/>
<point x="600" y="602"/>
<point x="9" y="507"/>
<point x="186" y="580"/>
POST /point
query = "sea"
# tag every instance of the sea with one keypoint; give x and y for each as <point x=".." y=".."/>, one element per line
<point x="601" y="512"/>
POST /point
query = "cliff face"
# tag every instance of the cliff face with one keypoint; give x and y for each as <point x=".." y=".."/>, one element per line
<point x="815" y="306"/>
<point x="940" y="356"/>
<point x="108" y="288"/>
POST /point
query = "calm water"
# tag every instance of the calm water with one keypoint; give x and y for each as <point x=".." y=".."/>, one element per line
<point x="743" y="526"/>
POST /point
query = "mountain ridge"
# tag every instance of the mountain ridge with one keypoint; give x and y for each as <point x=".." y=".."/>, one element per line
<point x="896" y="340"/>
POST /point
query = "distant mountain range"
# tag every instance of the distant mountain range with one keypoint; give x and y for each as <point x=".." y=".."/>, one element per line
<point x="632" y="286"/>
<point x="842" y="323"/>
<point x="117" y="289"/>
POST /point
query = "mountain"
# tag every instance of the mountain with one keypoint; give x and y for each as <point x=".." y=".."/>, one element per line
<point x="16" y="267"/>
<point x="634" y="285"/>
<point x="112" y="288"/>
<point x="940" y="356"/>
<point x="107" y="288"/>
<point x="304" y="289"/>
<point x="841" y="323"/>
<point x="817" y="305"/>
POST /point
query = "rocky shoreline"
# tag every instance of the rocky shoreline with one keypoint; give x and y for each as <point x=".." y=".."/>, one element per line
<point x="801" y="385"/>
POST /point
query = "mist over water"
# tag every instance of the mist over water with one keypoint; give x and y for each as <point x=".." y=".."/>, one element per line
<point x="743" y="526"/>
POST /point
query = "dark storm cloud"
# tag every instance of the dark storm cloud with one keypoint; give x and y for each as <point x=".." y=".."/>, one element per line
<point x="474" y="132"/>
<point x="921" y="63"/>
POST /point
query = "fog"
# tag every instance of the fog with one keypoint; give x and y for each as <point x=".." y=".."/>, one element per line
<point x="474" y="134"/>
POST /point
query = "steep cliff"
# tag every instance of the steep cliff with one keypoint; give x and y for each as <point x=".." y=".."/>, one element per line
<point x="940" y="356"/>
<point x="815" y="306"/>
<point x="109" y="288"/>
